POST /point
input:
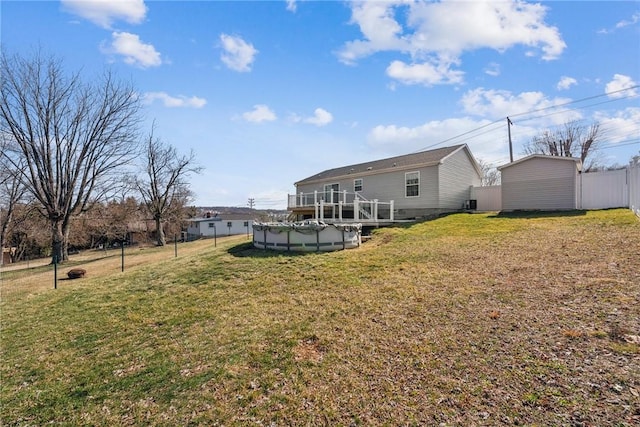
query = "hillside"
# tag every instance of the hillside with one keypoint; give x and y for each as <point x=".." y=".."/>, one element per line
<point x="470" y="319"/>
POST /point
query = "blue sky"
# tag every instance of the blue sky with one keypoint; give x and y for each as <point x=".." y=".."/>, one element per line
<point x="268" y="93"/>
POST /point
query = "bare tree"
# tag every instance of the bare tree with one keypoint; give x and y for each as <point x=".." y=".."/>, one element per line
<point x="73" y="137"/>
<point x="163" y="186"/>
<point x="572" y="140"/>
<point x="11" y="193"/>
<point x="490" y="174"/>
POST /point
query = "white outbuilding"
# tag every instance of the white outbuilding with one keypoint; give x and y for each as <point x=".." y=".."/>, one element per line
<point x="214" y="224"/>
<point x="539" y="182"/>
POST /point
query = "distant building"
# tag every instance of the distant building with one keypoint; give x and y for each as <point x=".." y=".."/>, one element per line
<point x="216" y="224"/>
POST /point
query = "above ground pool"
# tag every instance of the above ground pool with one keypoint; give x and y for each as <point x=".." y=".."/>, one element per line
<point x="307" y="236"/>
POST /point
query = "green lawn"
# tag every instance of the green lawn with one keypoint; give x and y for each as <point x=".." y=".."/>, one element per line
<point x="470" y="319"/>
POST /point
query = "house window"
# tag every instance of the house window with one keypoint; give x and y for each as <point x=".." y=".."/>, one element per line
<point x="357" y="184"/>
<point x="212" y="225"/>
<point x="246" y="223"/>
<point x="229" y="224"/>
<point x="412" y="184"/>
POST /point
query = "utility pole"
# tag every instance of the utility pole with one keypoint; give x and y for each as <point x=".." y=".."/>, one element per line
<point x="509" y="123"/>
<point x="252" y="202"/>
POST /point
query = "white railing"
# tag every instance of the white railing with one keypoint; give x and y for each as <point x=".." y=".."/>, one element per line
<point x="340" y="201"/>
<point x="301" y="200"/>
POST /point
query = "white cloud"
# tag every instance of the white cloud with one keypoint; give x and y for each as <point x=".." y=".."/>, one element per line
<point x="426" y="74"/>
<point x="238" y="55"/>
<point x="134" y="51"/>
<point x="291" y="5"/>
<point x="566" y="82"/>
<point x="622" y="126"/>
<point x="635" y="18"/>
<point x="260" y="113"/>
<point x="621" y="86"/>
<point x="438" y="33"/>
<point x="378" y="26"/>
<point x="493" y="69"/>
<point x="174" y="101"/>
<point x="321" y="117"/>
<point x="430" y="132"/>
<point x="396" y="140"/>
<point x="105" y="12"/>
<point x="496" y="104"/>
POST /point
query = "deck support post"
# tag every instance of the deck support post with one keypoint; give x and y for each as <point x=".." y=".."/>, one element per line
<point x="356" y="209"/>
<point x="375" y="210"/>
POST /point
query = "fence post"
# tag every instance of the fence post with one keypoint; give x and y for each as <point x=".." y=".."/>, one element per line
<point x="55" y="272"/>
<point x="122" y="255"/>
<point x="175" y="244"/>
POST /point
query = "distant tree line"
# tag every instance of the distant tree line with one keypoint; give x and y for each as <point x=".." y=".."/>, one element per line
<point x="105" y="225"/>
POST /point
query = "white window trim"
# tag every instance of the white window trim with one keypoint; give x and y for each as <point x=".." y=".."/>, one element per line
<point x="405" y="184"/>
<point x="355" y="185"/>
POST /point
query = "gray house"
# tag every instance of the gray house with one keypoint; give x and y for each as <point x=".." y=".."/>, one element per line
<point x="539" y="182"/>
<point x="398" y="188"/>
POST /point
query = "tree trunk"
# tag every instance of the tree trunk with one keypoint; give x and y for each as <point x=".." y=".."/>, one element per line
<point x="57" y="239"/>
<point x="3" y="234"/>
<point x="160" y="232"/>
<point x="65" y="239"/>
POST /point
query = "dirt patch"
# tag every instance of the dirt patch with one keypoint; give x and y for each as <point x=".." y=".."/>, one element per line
<point x="309" y="350"/>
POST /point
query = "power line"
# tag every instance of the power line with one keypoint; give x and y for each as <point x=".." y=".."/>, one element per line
<point x="574" y="109"/>
<point x="469" y="132"/>
<point x="579" y="100"/>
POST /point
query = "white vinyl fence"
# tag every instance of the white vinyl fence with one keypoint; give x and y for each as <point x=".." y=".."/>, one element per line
<point x="488" y="198"/>
<point x="597" y="190"/>
<point x="634" y="187"/>
<point x="605" y="189"/>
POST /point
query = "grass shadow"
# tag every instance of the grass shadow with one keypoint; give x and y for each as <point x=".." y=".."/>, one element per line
<point x="538" y="214"/>
<point x="247" y="249"/>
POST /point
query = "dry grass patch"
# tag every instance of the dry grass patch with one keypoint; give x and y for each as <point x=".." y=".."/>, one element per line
<point x="465" y="320"/>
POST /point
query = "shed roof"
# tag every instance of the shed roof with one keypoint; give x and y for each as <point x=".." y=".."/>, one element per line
<point x="422" y="158"/>
<point x="577" y="161"/>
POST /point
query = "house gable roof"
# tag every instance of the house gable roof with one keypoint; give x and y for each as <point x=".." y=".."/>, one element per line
<point x="577" y="161"/>
<point x="420" y="159"/>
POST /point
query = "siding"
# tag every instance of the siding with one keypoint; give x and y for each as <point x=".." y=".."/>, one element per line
<point x="221" y="229"/>
<point x="388" y="186"/>
<point x="457" y="173"/>
<point x="539" y="183"/>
